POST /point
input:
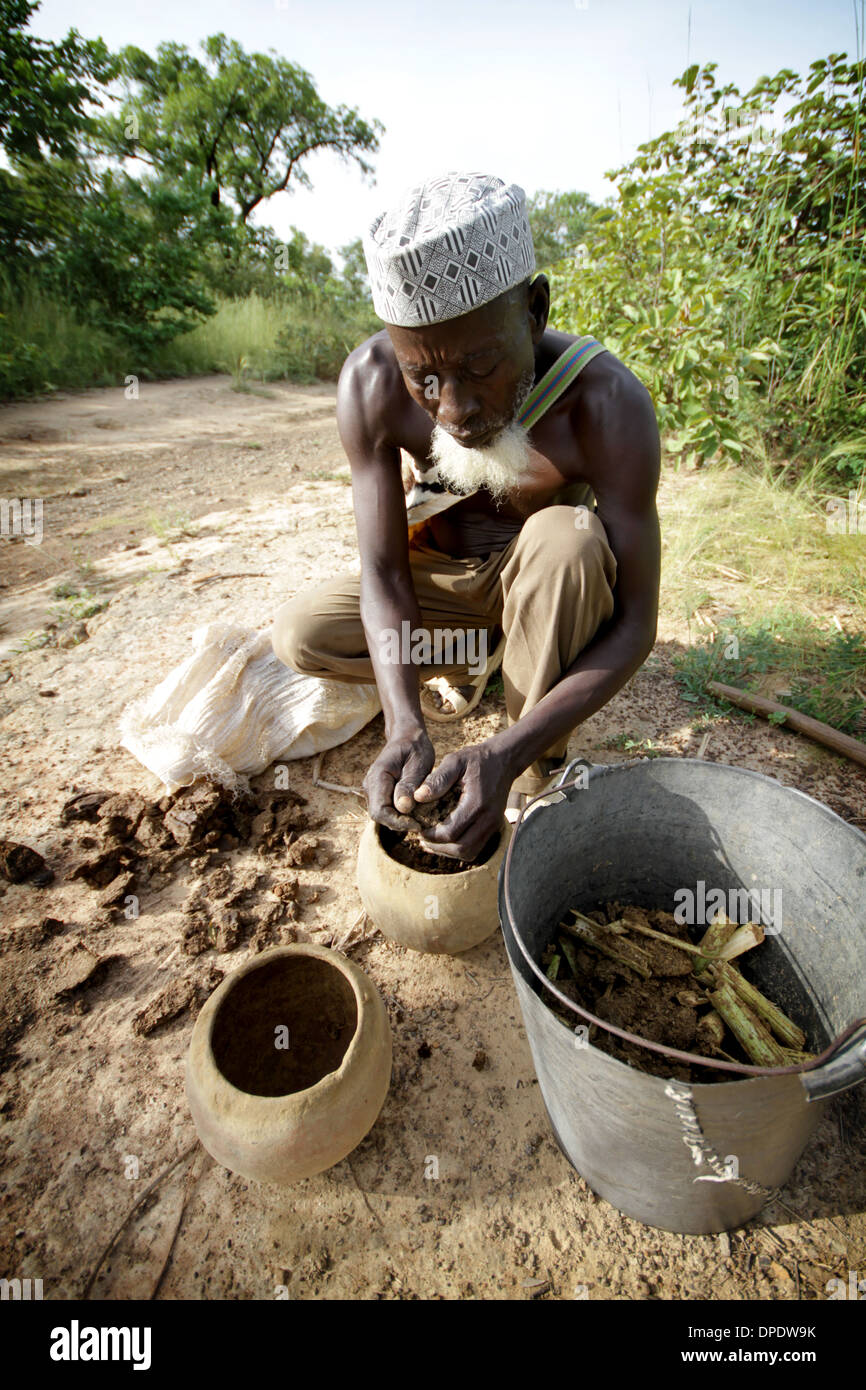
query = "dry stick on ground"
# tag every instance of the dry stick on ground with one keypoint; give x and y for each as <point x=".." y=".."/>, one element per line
<point x="191" y="1185"/>
<point x="831" y="738"/>
<point x="332" y="786"/>
<point x="241" y="574"/>
<point x="133" y="1209"/>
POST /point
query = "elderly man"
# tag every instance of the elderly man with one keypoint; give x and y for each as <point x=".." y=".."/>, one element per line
<point x="538" y="537"/>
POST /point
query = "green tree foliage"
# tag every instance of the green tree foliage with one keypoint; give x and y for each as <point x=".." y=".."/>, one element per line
<point x="559" y="223"/>
<point x="242" y="124"/>
<point x="142" y="257"/>
<point x="45" y="88"/>
<point x="731" y="272"/>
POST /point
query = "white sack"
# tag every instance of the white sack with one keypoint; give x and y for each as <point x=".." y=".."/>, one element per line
<point x="233" y="708"/>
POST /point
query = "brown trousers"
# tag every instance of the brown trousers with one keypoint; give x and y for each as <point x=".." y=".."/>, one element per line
<point x="548" y="591"/>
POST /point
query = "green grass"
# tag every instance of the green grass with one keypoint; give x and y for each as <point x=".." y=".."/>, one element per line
<point x="328" y="475"/>
<point x="45" y="345"/>
<point x="753" y="540"/>
<point x="257" y="339"/>
<point x="75" y="605"/>
<point x="170" y="527"/>
<point x="817" y="671"/>
<point x="627" y="743"/>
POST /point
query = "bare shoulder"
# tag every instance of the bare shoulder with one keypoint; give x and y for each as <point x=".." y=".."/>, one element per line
<point x="371" y="396"/>
<point x="609" y="388"/>
<point x="612" y="410"/>
<point x="369" y="374"/>
<point x="615" y="427"/>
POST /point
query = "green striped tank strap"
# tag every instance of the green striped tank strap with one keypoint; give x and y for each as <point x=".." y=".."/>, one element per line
<point x="558" y="379"/>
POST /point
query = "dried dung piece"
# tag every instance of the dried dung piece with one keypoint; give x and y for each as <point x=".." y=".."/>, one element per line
<point x="193" y="813"/>
<point x="308" y="850"/>
<point x="280" y="820"/>
<point x="83" y="806"/>
<point x="99" y="870"/>
<point x="173" y="1000"/>
<point x="76" y="967"/>
<point x="19" y="863"/>
<point x="151" y="832"/>
<point x="177" y="996"/>
<point x="119" y="815"/>
<point x="286" y="889"/>
<point x="117" y="890"/>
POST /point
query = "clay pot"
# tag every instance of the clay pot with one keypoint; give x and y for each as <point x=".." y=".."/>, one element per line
<point x="446" y="913"/>
<point x="289" y="1064"/>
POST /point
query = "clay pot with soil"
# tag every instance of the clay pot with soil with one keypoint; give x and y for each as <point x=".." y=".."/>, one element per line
<point x="425" y="901"/>
<point x="289" y="1064"/>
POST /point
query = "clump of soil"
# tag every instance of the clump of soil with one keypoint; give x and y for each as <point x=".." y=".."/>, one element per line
<point x="657" y="997"/>
<point x="406" y="847"/>
<point x="124" y="840"/>
<point x="18" y="863"/>
<point x="174" y="1000"/>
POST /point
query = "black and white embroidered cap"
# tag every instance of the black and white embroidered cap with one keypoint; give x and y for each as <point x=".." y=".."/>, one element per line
<point x="448" y="246"/>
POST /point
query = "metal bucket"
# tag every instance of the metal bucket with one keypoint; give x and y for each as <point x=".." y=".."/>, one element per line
<point x="704" y="1157"/>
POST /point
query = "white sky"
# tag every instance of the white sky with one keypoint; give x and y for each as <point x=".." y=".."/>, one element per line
<point x="545" y="93"/>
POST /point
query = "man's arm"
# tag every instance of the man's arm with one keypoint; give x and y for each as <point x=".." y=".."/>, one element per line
<point x="620" y="435"/>
<point x="617" y="431"/>
<point x="387" y="592"/>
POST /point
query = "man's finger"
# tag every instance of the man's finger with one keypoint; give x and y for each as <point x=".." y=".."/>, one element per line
<point x="379" y="790"/>
<point x="393" y="821"/>
<point x="453" y="850"/>
<point x="417" y="767"/>
<point x="440" y="781"/>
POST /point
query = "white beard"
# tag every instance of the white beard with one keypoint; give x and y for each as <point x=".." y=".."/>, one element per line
<point x="499" y="467"/>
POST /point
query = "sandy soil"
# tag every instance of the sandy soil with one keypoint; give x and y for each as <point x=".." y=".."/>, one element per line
<point x="197" y="502"/>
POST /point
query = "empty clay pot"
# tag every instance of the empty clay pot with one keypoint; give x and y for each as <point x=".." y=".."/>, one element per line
<point x="429" y="912"/>
<point x="289" y="1064"/>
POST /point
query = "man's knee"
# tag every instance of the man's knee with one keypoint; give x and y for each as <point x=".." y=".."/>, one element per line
<point x="571" y="540"/>
<point x="293" y="636"/>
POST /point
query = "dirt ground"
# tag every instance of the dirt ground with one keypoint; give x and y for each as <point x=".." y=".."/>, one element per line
<point x="196" y="502"/>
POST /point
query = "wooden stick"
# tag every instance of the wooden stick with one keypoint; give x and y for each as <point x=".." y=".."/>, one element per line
<point x="843" y="744"/>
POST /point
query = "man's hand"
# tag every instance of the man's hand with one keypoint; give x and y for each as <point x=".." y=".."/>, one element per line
<point x="401" y="767"/>
<point x="485" y="779"/>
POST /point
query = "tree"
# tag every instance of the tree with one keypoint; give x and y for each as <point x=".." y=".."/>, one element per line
<point x="242" y="124"/>
<point x="355" y="270"/>
<point x="559" y="223"/>
<point x="46" y="88"/>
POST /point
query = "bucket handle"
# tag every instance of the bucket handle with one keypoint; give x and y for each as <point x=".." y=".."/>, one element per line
<point x="842" y="1064"/>
<point x="846" y="1068"/>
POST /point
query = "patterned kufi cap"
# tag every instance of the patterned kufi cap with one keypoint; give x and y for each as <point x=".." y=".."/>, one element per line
<point x="448" y="246"/>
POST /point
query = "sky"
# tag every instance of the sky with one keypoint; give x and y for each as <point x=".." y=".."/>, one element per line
<point x="549" y="94"/>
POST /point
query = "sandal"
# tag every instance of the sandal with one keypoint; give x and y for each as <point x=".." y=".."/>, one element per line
<point x="460" y="706"/>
